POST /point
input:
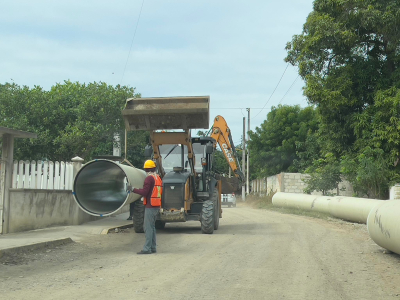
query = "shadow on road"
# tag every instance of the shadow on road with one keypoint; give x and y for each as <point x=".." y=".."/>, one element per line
<point x="248" y="229"/>
<point x="175" y="228"/>
<point x="227" y="229"/>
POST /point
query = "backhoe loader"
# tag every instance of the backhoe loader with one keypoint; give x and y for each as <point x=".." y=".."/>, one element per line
<point x="191" y="187"/>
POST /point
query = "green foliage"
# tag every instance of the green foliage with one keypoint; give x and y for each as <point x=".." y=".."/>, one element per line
<point x="307" y="151"/>
<point x="349" y="56"/>
<point x="71" y="119"/>
<point x="369" y="172"/>
<point x="274" y="145"/>
<point x="348" y="52"/>
<point x="220" y="164"/>
<point x="201" y="133"/>
<point x="324" y="175"/>
<point x="379" y="124"/>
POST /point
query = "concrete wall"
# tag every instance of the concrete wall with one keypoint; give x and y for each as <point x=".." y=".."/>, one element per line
<point x="293" y="183"/>
<point x="273" y="183"/>
<point x="394" y="192"/>
<point x="35" y="209"/>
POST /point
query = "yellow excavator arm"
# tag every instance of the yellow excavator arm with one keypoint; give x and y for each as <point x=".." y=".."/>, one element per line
<point x="222" y="134"/>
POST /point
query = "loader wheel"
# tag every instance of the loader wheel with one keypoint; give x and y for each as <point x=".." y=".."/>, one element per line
<point x="138" y="216"/>
<point x="216" y="209"/>
<point x="207" y="217"/>
<point x="160" y="224"/>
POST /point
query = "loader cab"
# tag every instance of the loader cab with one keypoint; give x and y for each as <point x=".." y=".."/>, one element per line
<point x="175" y="159"/>
<point x="203" y="148"/>
<point x="173" y="156"/>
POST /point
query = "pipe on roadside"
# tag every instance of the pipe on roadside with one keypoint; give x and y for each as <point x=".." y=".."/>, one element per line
<point x="384" y="225"/>
<point x="299" y="201"/>
<point x="346" y="208"/>
<point x="99" y="187"/>
<point x="352" y="208"/>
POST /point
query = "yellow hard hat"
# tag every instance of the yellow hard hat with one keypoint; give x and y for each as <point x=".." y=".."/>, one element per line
<point x="149" y="164"/>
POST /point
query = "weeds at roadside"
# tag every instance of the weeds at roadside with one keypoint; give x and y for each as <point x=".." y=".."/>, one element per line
<point x="265" y="202"/>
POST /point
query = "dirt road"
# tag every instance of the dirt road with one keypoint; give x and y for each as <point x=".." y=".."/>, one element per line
<point x="256" y="254"/>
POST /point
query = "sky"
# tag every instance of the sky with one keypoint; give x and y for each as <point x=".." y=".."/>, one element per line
<point x="232" y="51"/>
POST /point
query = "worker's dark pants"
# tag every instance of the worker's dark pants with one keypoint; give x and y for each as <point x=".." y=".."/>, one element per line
<point x="150" y="216"/>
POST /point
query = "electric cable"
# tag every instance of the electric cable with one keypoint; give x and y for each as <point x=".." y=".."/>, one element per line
<point x="273" y="91"/>
<point x="130" y="49"/>
<point x="289" y="89"/>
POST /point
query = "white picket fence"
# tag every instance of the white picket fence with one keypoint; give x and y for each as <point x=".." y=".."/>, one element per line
<point x="42" y="175"/>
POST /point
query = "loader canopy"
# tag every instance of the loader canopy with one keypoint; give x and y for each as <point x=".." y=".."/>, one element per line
<point x="172" y="156"/>
<point x="165" y="113"/>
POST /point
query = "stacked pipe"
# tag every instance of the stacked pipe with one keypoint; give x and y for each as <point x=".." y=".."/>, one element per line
<point x="381" y="217"/>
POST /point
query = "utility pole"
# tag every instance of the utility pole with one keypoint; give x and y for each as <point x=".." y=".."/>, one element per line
<point x="244" y="157"/>
<point x="248" y="153"/>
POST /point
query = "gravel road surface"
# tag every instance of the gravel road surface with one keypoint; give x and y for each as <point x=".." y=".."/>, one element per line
<point x="255" y="254"/>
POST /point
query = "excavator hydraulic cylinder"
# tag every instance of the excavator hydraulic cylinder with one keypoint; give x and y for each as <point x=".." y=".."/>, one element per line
<point x="100" y="186"/>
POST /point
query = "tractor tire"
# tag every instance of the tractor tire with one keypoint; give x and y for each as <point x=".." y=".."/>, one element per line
<point x="216" y="209"/>
<point x="207" y="217"/>
<point x="138" y="216"/>
<point x="160" y="224"/>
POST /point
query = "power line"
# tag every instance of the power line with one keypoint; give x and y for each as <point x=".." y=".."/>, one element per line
<point x="241" y="108"/>
<point x="273" y="91"/>
<point x="289" y="89"/>
<point x="130" y="49"/>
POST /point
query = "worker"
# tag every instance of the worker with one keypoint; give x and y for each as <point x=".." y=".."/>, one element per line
<point x="131" y="208"/>
<point x="151" y="192"/>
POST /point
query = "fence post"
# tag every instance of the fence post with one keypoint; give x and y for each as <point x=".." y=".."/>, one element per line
<point x="76" y="165"/>
<point x="14" y="175"/>
<point x="39" y="176"/>
<point x="20" y="184"/>
<point x="45" y="174"/>
<point x="56" y="175"/>
<point x="33" y="175"/>
<point x="62" y="176"/>
<point x="50" y="184"/>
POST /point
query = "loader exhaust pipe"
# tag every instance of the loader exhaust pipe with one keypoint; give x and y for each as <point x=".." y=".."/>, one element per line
<point x="99" y="187"/>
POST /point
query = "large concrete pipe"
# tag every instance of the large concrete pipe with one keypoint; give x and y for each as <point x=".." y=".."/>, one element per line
<point x="301" y="201"/>
<point x="100" y="186"/>
<point x="346" y="208"/>
<point x="351" y="208"/>
<point x="384" y="225"/>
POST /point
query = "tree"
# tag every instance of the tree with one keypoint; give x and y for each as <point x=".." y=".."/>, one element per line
<point x="347" y="53"/>
<point x="71" y="119"/>
<point x="273" y="145"/>
<point x="324" y="175"/>
<point x="369" y="173"/>
<point x="307" y="151"/>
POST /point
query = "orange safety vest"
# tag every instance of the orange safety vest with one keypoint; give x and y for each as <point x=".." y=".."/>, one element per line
<point x="156" y="193"/>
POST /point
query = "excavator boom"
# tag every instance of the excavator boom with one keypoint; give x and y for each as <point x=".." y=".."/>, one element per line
<point x="222" y="134"/>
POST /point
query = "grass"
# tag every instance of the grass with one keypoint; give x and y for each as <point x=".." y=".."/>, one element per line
<point x="265" y="202"/>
